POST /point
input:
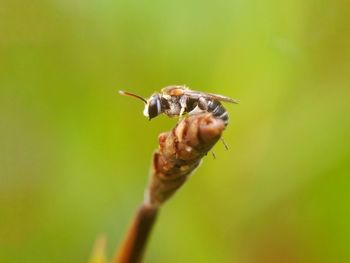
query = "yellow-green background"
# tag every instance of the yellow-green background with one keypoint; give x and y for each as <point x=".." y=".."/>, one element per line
<point x="74" y="155"/>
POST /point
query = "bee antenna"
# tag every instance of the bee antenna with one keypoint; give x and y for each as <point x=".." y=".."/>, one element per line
<point x="125" y="93"/>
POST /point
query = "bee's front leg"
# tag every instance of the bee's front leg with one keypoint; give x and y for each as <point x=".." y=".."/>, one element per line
<point x="183" y="104"/>
<point x="182" y="111"/>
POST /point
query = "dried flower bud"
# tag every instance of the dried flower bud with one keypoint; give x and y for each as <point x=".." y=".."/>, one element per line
<point x="180" y="152"/>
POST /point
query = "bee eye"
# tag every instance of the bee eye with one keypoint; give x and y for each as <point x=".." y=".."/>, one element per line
<point x="153" y="108"/>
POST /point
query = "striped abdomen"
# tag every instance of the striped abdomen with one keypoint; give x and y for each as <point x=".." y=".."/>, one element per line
<point x="218" y="110"/>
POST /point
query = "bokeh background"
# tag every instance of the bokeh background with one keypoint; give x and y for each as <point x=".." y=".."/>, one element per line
<point x="74" y="155"/>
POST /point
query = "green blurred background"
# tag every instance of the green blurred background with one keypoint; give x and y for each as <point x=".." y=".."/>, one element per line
<point x="74" y="155"/>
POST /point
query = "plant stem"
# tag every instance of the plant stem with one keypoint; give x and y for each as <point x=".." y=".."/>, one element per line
<point x="132" y="248"/>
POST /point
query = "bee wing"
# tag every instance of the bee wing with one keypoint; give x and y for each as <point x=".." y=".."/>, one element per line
<point x="198" y="94"/>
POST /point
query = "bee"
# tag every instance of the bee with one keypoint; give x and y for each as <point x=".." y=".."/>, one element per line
<point x="174" y="101"/>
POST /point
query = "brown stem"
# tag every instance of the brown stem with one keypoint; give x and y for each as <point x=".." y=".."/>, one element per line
<point x="134" y="243"/>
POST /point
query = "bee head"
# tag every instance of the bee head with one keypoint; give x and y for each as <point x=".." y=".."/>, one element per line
<point x="153" y="107"/>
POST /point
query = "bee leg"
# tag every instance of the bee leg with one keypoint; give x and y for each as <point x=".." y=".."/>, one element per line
<point x="224" y="143"/>
<point x="182" y="111"/>
<point x="183" y="104"/>
<point x="181" y="114"/>
<point x="213" y="154"/>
